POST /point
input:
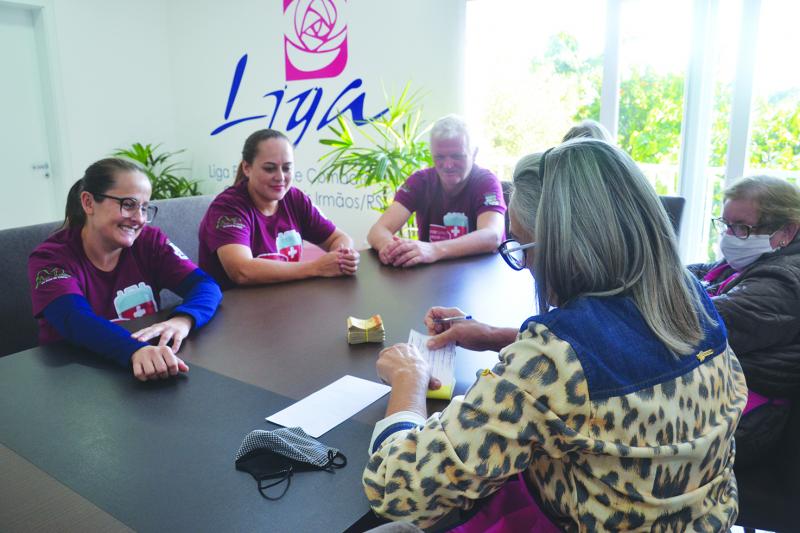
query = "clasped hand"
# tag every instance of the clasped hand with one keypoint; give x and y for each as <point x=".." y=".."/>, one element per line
<point x="341" y="262"/>
<point x="407" y="253"/>
<point x="160" y="361"/>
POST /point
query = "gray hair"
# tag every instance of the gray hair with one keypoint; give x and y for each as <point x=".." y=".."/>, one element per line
<point x="527" y="191"/>
<point x="588" y="128"/>
<point x="778" y="200"/>
<point x="452" y="127"/>
<point x="602" y="231"/>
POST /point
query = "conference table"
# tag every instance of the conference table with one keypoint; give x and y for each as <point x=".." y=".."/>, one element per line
<point x="85" y="446"/>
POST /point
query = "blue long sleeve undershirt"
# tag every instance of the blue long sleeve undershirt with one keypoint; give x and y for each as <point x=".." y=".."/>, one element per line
<point x="201" y="297"/>
<point x="73" y="318"/>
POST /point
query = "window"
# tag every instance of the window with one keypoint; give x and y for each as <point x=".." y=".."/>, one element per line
<point x="654" y="53"/>
<point x="775" y="118"/>
<point x="729" y="21"/>
<point x="774" y="133"/>
<point x="533" y="69"/>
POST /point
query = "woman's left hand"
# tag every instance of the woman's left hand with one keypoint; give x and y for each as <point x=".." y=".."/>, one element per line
<point x="175" y="329"/>
<point x="402" y="364"/>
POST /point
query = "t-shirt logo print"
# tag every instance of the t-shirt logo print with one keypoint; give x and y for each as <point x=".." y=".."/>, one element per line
<point x="46" y="275"/>
<point x="290" y="245"/>
<point x="455" y="226"/>
<point x="315" y="44"/>
<point x="225" y="222"/>
<point x="135" y="301"/>
<point x="491" y="199"/>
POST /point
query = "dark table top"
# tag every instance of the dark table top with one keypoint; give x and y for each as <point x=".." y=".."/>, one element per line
<point x="159" y="455"/>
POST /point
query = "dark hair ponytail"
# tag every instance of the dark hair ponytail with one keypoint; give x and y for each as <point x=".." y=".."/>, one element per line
<point x="97" y="179"/>
<point x="250" y="149"/>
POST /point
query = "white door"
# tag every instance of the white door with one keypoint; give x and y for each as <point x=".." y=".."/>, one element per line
<point x="26" y="186"/>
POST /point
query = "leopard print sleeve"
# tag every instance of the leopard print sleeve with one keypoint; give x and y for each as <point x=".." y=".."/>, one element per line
<point x="531" y="402"/>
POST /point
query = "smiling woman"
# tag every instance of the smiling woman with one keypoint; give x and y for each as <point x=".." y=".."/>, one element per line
<point x="253" y="232"/>
<point x="106" y="265"/>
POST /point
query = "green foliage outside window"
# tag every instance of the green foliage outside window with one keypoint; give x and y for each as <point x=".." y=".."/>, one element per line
<point x="650" y="115"/>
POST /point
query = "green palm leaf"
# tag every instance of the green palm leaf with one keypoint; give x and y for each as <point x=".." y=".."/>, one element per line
<point x="161" y="169"/>
<point x="391" y="149"/>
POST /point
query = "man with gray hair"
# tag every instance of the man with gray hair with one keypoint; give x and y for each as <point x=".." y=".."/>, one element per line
<point x="459" y="205"/>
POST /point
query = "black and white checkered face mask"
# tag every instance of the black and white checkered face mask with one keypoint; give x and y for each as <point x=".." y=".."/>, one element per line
<point x="277" y="455"/>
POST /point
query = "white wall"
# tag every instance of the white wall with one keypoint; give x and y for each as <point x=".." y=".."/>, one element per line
<point x="114" y="78"/>
<point x="160" y="71"/>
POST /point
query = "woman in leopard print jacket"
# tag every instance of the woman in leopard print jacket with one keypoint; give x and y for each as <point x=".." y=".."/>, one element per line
<point x="614" y="410"/>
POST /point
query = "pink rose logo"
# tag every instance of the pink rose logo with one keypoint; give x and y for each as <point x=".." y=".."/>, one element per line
<point x="317" y="46"/>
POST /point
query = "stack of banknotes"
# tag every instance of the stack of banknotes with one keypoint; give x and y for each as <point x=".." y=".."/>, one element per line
<point x="369" y="330"/>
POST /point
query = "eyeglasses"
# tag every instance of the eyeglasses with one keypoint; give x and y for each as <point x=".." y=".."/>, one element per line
<point x="514" y="253"/>
<point x="742" y="231"/>
<point x="131" y="206"/>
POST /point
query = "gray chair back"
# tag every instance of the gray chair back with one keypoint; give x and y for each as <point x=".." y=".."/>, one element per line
<point x="179" y="218"/>
<point x="674" y="208"/>
<point x="18" y="329"/>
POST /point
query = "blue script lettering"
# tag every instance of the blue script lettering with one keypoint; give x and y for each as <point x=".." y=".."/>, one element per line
<point x="301" y="115"/>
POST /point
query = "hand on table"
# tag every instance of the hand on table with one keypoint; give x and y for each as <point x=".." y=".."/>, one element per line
<point x="402" y="362"/>
<point x="175" y="329"/>
<point x="470" y="334"/>
<point x="407" y="253"/>
<point x="156" y="362"/>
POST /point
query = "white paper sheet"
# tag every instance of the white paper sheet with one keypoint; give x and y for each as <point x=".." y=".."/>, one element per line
<point x="325" y="409"/>
<point x="442" y="362"/>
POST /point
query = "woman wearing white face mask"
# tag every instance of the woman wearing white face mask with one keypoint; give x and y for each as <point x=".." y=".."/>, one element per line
<point x="756" y="289"/>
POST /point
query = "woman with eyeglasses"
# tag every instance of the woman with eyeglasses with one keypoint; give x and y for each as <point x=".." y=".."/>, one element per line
<point x="612" y="409"/>
<point x="756" y="289"/>
<point x="106" y="264"/>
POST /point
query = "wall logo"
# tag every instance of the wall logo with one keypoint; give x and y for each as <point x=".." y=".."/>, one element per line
<point x="314" y="48"/>
<point x="316" y="45"/>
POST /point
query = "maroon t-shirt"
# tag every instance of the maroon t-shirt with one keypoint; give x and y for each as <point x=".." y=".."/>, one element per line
<point x="441" y="216"/>
<point x="59" y="266"/>
<point x="232" y="218"/>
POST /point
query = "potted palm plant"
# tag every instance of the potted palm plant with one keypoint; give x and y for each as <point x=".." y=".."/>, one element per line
<point x="393" y="150"/>
<point x="160" y="167"/>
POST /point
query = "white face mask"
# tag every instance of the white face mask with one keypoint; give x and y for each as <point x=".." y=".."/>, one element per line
<point x="740" y="253"/>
